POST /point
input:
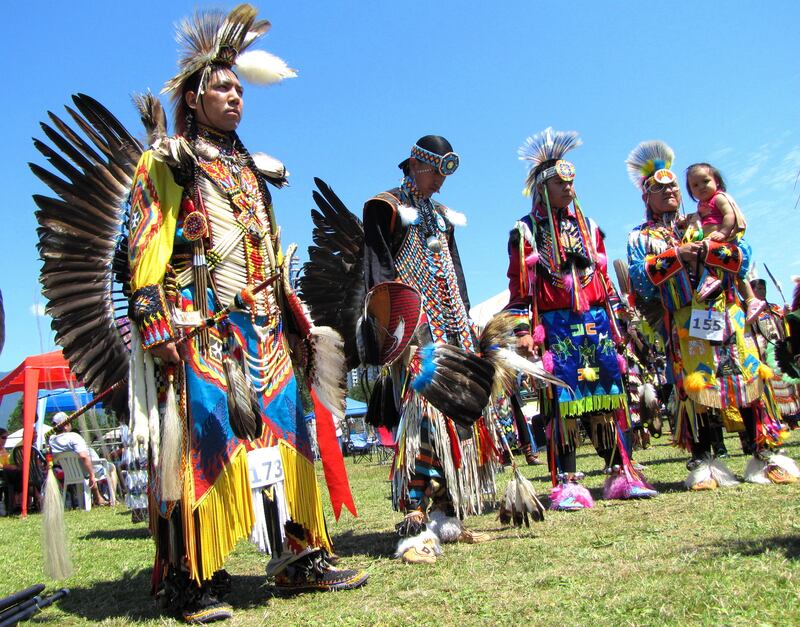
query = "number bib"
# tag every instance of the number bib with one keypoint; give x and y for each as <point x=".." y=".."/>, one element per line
<point x="265" y="466"/>
<point x="707" y="324"/>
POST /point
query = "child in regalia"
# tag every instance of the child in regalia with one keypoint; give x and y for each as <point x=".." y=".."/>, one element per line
<point x="722" y="221"/>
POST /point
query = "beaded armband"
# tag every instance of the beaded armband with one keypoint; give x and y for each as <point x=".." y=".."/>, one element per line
<point x="521" y="319"/>
<point x="723" y="255"/>
<point x="661" y="267"/>
<point x="149" y="311"/>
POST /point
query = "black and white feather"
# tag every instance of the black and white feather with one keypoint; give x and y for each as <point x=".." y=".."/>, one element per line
<point x="332" y="283"/>
<point x="83" y="240"/>
<point x="520" y="504"/>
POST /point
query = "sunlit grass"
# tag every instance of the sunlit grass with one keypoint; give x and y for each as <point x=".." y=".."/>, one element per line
<point x="724" y="557"/>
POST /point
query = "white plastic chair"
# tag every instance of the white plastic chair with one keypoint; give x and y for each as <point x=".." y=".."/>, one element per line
<point x="73" y="469"/>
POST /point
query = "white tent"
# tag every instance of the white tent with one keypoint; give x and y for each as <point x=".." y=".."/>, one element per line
<point x="15" y="438"/>
<point x="483" y="312"/>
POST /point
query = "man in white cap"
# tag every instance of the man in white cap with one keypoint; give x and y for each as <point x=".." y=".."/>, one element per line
<point x="67" y="441"/>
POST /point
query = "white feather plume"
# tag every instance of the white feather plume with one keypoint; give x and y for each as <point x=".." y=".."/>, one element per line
<point x="456" y="218"/>
<point x="648" y="396"/>
<point x="447" y="528"/>
<point x="262" y="68"/>
<point x="269" y="165"/>
<point x="329" y="369"/>
<point x="532" y="368"/>
<point x="754" y="472"/>
<point x="408" y="215"/>
<point x="722" y="474"/>
<point x="641" y="160"/>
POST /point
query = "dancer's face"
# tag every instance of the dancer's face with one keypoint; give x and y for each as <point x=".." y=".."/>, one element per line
<point x="222" y="103"/>
<point x="560" y="192"/>
<point x="662" y="198"/>
<point x="426" y="178"/>
<point x="702" y="183"/>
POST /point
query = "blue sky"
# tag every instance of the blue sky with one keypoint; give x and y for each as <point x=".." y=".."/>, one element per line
<point x="718" y="81"/>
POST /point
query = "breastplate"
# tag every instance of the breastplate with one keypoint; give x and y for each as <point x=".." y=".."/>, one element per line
<point x="434" y="276"/>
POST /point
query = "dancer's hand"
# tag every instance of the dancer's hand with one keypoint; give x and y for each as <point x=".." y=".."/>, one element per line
<point x="525" y="344"/>
<point x="688" y="252"/>
<point x="167" y="353"/>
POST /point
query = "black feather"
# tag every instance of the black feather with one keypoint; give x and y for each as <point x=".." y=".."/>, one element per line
<point x="83" y="275"/>
<point x="243" y="407"/>
<point x="332" y="283"/>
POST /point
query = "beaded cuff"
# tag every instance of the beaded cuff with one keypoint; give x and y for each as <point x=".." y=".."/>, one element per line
<point x="661" y="267"/>
<point x="522" y="319"/>
<point x="723" y="255"/>
<point x="149" y="311"/>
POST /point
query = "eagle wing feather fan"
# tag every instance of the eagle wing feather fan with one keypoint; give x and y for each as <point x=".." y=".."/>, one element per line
<point x="82" y="236"/>
<point x="332" y="283"/>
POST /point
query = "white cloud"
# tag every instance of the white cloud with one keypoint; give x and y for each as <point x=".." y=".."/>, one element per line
<point x="37" y="310"/>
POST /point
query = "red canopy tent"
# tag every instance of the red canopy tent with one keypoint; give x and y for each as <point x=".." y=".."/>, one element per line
<point x="48" y="371"/>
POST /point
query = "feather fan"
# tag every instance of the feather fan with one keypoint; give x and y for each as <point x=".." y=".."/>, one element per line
<point x="82" y="239"/>
<point x="519" y="503"/>
<point x="332" y="282"/>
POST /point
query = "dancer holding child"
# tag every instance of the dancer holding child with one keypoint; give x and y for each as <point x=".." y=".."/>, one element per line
<point x="721" y="221"/>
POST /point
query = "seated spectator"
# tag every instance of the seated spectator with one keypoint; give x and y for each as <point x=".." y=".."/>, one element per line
<point x="67" y="441"/>
<point x="11" y="464"/>
<point x="4" y="455"/>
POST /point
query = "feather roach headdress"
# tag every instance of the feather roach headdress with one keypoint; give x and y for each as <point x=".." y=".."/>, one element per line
<point x="542" y="150"/>
<point x="648" y="159"/>
<point x="211" y="39"/>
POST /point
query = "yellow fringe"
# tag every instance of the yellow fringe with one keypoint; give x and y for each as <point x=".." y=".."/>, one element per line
<point x="222" y="517"/>
<point x="732" y="420"/>
<point x="187" y="518"/>
<point x="302" y="496"/>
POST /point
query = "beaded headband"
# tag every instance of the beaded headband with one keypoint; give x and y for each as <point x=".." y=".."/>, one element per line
<point x="445" y="164"/>
<point x="562" y="169"/>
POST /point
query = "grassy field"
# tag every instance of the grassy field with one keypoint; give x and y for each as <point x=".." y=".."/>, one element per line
<point x="724" y="557"/>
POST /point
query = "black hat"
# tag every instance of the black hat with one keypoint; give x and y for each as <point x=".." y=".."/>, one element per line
<point x="436" y="151"/>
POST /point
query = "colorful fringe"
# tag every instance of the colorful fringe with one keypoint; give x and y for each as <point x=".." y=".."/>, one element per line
<point x="222" y="518"/>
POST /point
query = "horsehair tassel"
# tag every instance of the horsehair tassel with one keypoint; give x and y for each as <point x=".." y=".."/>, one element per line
<point x="57" y="564"/>
<point x="171" y="445"/>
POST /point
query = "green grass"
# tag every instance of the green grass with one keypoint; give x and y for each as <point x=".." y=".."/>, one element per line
<point x="724" y="557"/>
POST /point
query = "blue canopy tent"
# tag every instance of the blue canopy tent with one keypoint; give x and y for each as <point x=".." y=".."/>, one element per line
<point x="62" y="399"/>
<point x="67" y="400"/>
<point x="355" y="408"/>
